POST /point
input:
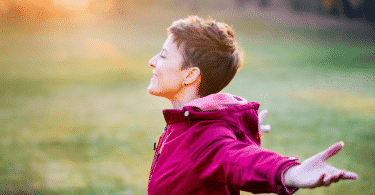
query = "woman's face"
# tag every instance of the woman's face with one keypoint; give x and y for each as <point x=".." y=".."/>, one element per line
<point x="168" y="78"/>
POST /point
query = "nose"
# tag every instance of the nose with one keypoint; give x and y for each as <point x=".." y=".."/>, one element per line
<point x="152" y="62"/>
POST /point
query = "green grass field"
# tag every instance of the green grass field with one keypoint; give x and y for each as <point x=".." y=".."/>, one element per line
<point x="76" y="117"/>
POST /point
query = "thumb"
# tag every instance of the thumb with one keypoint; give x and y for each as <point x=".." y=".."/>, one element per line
<point x="261" y="116"/>
<point x="333" y="150"/>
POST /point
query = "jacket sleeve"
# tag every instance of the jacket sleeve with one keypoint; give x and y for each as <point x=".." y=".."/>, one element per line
<point x="217" y="157"/>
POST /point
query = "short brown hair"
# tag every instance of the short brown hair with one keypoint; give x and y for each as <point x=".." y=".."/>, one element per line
<point x="210" y="46"/>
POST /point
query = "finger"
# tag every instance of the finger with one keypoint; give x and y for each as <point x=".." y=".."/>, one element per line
<point x="262" y="115"/>
<point x="320" y="182"/>
<point x="264" y="129"/>
<point x="328" y="178"/>
<point x="333" y="150"/>
<point x="350" y="175"/>
<point x="333" y="178"/>
<point x="328" y="183"/>
<point x="336" y="179"/>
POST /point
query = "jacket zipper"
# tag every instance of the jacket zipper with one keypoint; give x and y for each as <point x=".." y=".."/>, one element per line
<point x="159" y="138"/>
<point x="157" y="151"/>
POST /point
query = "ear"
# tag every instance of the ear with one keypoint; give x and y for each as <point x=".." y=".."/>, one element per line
<point x="192" y="75"/>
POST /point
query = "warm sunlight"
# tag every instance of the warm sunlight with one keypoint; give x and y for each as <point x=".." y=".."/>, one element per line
<point x="4" y="5"/>
<point x="77" y="5"/>
<point x="46" y="9"/>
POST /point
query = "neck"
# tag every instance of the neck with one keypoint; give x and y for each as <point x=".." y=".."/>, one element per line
<point x="183" y="97"/>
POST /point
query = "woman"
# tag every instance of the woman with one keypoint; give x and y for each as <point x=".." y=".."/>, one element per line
<point x="211" y="144"/>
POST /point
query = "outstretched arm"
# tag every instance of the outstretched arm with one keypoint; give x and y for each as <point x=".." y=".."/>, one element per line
<point x="314" y="172"/>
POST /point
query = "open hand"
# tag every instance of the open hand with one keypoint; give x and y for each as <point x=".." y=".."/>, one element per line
<point x="314" y="172"/>
<point x="263" y="128"/>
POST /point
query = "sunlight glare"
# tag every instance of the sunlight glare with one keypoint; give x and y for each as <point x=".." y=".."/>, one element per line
<point x="4" y="6"/>
<point x="78" y="5"/>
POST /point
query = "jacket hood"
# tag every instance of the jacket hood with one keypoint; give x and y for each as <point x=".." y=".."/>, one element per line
<point x="216" y="102"/>
<point x="240" y="115"/>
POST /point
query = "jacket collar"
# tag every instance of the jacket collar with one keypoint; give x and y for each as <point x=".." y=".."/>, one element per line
<point x="172" y="116"/>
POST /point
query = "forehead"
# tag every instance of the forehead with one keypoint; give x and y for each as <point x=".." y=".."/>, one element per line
<point x="169" y="41"/>
<point x="171" y="46"/>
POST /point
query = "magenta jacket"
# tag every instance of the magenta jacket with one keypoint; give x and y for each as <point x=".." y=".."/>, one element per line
<point x="212" y="146"/>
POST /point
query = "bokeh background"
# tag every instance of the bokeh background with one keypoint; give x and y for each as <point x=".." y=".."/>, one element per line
<point x="76" y="118"/>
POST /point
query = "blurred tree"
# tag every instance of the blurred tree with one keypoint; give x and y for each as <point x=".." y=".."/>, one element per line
<point x="332" y="7"/>
<point x="241" y="3"/>
<point x="305" y="5"/>
<point x="364" y="10"/>
<point x="260" y="3"/>
<point x="351" y="11"/>
<point x="336" y="8"/>
<point x="264" y="3"/>
<point x="369" y="9"/>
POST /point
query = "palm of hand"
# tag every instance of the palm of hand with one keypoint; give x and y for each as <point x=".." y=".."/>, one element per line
<point x="314" y="172"/>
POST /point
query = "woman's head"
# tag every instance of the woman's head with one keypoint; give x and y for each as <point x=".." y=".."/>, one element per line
<point x="202" y="54"/>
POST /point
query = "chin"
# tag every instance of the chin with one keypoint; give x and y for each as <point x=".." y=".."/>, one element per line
<point x="153" y="91"/>
<point x="156" y="94"/>
<point x="150" y="91"/>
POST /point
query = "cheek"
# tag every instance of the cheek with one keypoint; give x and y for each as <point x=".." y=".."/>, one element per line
<point x="171" y="79"/>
